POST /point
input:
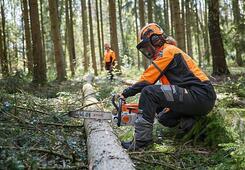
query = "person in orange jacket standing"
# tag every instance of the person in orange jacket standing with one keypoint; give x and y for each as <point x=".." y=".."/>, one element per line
<point x="109" y="58"/>
<point x="185" y="90"/>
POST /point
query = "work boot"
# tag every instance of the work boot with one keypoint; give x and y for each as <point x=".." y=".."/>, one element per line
<point x="142" y="137"/>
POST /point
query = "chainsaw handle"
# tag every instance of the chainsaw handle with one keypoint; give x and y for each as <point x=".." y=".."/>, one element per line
<point x="113" y="102"/>
<point x="118" y="108"/>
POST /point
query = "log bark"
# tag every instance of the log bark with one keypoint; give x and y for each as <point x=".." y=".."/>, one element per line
<point x="104" y="149"/>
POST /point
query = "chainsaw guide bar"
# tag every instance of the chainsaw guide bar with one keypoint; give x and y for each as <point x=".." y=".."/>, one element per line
<point x="87" y="114"/>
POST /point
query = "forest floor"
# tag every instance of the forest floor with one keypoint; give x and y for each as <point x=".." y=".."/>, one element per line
<point x="36" y="132"/>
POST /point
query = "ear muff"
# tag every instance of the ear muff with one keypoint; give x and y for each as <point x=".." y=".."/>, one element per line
<point x="157" y="40"/>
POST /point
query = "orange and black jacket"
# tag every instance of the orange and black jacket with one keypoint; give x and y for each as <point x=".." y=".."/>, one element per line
<point x="172" y="66"/>
<point x="109" y="56"/>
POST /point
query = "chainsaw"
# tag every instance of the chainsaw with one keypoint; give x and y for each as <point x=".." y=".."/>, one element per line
<point x="126" y="113"/>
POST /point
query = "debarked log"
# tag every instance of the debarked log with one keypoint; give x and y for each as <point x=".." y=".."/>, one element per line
<point x="104" y="149"/>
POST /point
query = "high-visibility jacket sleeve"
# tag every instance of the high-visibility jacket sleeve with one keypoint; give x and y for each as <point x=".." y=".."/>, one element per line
<point x="151" y="75"/>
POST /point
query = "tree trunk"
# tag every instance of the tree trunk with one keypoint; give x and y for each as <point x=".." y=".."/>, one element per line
<point x="124" y="48"/>
<point x="178" y="24"/>
<point x="166" y="16"/>
<point x="27" y="37"/>
<point x="183" y="22"/>
<point x="43" y="30"/>
<point x="142" y="24"/>
<point x="98" y="34"/>
<point x="92" y="39"/>
<point x="206" y="32"/>
<point x="188" y="28"/>
<point x="158" y="14"/>
<point x="113" y="31"/>
<point x="70" y="36"/>
<point x="238" y="36"/>
<point x="137" y="31"/>
<point x="217" y="48"/>
<point x="39" y="69"/>
<point x="85" y="35"/>
<point x="171" y="18"/>
<point x="4" y="58"/>
<point x="101" y="26"/>
<point x="197" y="36"/>
<point x="149" y="10"/>
<point x="59" y="58"/>
<point x="1" y="46"/>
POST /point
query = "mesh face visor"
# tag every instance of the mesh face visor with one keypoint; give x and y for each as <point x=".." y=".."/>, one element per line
<point x="146" y="48"/>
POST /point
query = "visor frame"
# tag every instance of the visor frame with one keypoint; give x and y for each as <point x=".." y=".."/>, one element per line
<point x="146" y="48"/>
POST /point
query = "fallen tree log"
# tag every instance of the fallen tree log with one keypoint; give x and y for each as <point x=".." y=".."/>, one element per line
<point x="104" y="149"/>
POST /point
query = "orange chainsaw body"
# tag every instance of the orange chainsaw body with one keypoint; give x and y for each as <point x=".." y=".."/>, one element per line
<point x="129" y="113"/>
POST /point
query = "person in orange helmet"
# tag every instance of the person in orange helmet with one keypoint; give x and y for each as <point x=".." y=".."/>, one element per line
<point x="109" y="58"/>
<point x="184" y="89"/>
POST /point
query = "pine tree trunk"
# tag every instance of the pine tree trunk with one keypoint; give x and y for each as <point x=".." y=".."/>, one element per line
<point x="188" y="28"/>
<point x="149" y="9"/>
<point x="206" y="32"/>
<point x="183" y="22"/>
<point x="166" y="16"/>
<point x="158" y="14"/>
<point x="98" y="34"/>
<point x="217" y="48"/>
<point x="1" y="46"/>
<point x="137" y="31"/>
<point x="70" y="36"/>
<point x="42" y="30"/>
<point x="239" y="30"/>
<point x="197" y="36"/>
<point x="59" y="58"/>
<point x="72" y="41"/>
<point x="101" y="26"/>
<point x="92" y="39"/>
<point x="178" y="24"/>
<point x="85" y="35"/>
<point x="124" y="48"/>
<point x="39" y="69"/>
<point x="27" y="37"/>
<point x="142" y="24"/>
<point x="171" y="19"/>
<point x="113" y="31"/>
<point x="4" y="59"/>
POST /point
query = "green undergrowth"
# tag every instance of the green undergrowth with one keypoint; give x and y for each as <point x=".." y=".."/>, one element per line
<point x="215" y="142"/>
<point x="35" y="130"/>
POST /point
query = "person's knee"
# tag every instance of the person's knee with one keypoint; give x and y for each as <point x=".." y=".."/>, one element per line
<point x="148" y="90"/>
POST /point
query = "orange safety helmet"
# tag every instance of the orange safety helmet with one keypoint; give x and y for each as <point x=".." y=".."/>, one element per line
<point x="152" y="37"/>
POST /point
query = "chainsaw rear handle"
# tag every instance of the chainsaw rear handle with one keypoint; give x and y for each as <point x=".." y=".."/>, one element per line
<point x="118" y="108"/>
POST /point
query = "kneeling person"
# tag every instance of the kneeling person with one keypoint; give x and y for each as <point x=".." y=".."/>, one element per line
<point x="184" y="89"/>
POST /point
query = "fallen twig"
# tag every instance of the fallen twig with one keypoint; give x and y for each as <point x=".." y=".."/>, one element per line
<point x="38" y="150"/>
<point x="59" y="124"/>
<point x="150" y="152"/>
<point x="33" y="110"/>
<point x="155" y="163"/>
